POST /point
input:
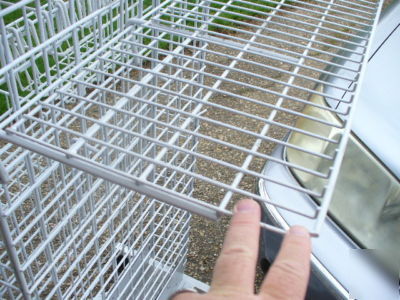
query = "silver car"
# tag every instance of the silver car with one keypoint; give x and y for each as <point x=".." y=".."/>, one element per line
<point x="365" y="209"/>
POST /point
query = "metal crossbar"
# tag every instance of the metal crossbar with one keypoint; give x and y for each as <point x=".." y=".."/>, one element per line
<point x="175" y="101"/>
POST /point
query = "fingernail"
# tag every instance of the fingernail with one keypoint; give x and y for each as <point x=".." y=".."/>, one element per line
<point x="245" y="206"/>
<point x="299" y="231"/>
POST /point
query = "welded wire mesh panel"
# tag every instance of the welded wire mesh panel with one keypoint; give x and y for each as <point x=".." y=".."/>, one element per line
<point x="76" y="236"/>
<point x="39" y="42"/>
<point x="243" y="72"/>
<point x="66" y="233"/>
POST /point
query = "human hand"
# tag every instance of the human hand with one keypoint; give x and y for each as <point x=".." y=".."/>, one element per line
<point x="234" y="272"/>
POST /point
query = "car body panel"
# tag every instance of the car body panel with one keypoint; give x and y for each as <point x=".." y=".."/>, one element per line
<point x="373" y="117"/>
<point x="388" y="21"/>
<point x="377" y="117"/>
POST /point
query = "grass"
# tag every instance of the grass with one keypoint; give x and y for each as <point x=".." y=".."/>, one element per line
<point x="238" y="11"/>
<point x="18" y="13"/>
<point x="4" y="102"/>
<point x="9" y="18"/>
<point x="244" y="9"/>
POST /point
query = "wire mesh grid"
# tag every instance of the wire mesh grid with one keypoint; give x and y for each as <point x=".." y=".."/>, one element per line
<point x="234" y="67"/>
<point x="65" y="233"/>
<point x="75" y="235"/>
<point x="42" y="46"/>
<point x="175" y="101"/>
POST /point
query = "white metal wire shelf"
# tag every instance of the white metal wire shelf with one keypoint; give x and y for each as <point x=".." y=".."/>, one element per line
<point x="241" y="71"/>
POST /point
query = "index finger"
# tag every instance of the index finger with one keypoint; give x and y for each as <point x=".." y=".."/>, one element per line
<point x="235" y="267"/>
<point x="289" y="274"/>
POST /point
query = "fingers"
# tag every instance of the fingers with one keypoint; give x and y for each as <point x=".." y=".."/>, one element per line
<point x="289" y="274"/>
<point x="235" y="268"/>
<point x="185" y="295"/>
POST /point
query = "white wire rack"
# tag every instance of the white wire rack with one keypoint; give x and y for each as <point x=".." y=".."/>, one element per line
<point x="173" y="101"/>
<point x="244" y="69"/>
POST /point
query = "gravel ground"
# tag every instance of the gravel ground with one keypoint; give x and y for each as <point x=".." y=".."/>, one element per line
<point x="207" y="236"/>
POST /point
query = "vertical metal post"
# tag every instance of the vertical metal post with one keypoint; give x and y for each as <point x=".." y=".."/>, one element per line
<point x="12" y="254"/>
<point x="6" y="58"/>
<point x="42" y="34"/>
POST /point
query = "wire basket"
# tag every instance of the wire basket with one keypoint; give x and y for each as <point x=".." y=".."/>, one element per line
<point x="174" y="101"/>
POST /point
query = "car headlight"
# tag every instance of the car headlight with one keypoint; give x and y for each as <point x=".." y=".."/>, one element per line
<point x="366" y="201"/>
<point x="314" y="144"/>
